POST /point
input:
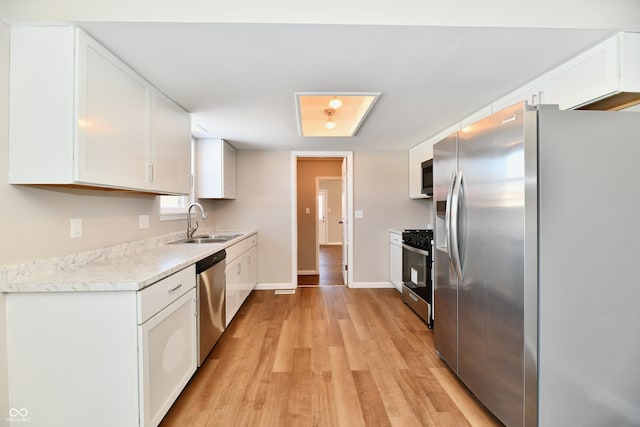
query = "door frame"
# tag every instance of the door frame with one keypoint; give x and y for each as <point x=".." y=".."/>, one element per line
<point x="295" y="155"/>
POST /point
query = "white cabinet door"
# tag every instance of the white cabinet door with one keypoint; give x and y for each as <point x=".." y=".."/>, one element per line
<point x="168" y="356"/>
<point x="395" y="260"/>
<point x="587" y="77"/>
<point x="112" y="143"/>
<point x="170" y="149"/>
<point x="216" y="169"/>
<point x="233" y="293"/>
<point x="252" y="269"/>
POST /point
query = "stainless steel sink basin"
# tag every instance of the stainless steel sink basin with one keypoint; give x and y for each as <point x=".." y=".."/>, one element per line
<point x="209" y="238"/>
<point x="202" y="240"/>
<point x="226" y="236"/>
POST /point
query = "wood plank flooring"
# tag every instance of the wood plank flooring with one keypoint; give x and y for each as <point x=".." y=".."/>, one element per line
<point x="326" y="356"/>
<point x="330" y="268"/>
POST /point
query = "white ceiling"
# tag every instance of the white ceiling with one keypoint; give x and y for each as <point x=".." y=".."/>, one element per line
<point x="239" y="80"/>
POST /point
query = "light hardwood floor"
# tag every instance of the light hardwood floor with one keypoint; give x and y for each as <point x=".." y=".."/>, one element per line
<point x="326" y="356"/>
<point x="330" y="268"/>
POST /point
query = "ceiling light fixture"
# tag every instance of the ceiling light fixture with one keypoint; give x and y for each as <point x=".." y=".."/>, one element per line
<point x="316" y="117"/>
<point x="330" y="112"/>
<point x="335" y="102"/>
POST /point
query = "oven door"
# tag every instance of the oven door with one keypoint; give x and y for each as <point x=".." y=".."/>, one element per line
<point x="416" y="271"/>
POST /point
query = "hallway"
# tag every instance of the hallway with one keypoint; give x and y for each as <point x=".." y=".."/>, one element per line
<point x="330" y="268"/>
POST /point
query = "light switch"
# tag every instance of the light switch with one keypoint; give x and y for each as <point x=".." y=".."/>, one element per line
<point x="143" y="221"/>
<point x="308" y="210"/>
<point x="76" y="228"/>
<point x="359" y="214"/>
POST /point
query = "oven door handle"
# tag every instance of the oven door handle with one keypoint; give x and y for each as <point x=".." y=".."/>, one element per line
<point x="416" y="250"/>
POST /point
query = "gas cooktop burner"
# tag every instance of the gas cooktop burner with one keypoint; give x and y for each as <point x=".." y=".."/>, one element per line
<point x="418" y="238"/>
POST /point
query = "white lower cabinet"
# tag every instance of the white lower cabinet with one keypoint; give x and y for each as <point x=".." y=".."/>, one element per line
<point x="167" y="357"/>
<point x="395" y="259"/>
<point x="101" y="359"/>
<point x="242" y="274"/>
<point x="233" y="299"/>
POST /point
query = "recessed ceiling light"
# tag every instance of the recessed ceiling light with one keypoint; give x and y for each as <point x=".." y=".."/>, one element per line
<point x="315" y="119"/>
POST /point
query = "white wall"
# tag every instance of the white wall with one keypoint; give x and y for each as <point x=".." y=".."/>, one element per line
<point x="263" y="204"/>
<point x="380" y="191"/>
<point x="620" y="14"/>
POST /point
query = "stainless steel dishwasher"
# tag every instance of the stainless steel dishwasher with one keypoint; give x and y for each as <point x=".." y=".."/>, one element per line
<point x="211" y="302"/>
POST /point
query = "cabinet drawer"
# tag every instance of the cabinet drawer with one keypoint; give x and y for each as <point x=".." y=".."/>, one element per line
<point x="395" y="239"/>
<point x="154" y="298"/>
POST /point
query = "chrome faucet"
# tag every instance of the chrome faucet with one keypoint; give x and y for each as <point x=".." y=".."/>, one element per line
<point x="203" y="215"/>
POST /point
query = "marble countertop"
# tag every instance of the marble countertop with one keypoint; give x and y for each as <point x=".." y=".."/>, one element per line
<point x="128" y="270"/>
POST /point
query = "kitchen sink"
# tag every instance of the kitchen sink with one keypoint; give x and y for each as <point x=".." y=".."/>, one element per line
<point x="225" y="236"/>
<point x="209" y="238"/>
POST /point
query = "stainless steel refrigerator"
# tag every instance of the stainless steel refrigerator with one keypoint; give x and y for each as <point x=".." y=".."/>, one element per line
<point x="537" y="283"/>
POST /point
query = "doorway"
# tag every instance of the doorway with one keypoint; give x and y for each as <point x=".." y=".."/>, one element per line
<point x="310" y="258"/>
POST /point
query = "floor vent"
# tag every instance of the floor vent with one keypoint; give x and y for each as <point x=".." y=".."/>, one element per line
<point x="285" y="291"/>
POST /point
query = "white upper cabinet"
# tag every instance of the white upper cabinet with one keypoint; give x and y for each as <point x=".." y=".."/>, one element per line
<point x="216" y="169"/>
<point x="608" y="69"/>
<point x="171" y="149"/>
<point x="587" y="77"/>
<point x="112" y="140"/>
<point x="80" y="116"/>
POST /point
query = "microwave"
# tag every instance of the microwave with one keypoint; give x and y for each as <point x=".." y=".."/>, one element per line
<point x="427" y="177"/>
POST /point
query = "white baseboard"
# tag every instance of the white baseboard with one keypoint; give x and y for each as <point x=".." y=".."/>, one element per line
<point x="372" y="285"/>
<point x="274" y="286"/>
<point x="307" y="272"/>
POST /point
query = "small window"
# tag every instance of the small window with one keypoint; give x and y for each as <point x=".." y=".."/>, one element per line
<point x="175" y="207"/>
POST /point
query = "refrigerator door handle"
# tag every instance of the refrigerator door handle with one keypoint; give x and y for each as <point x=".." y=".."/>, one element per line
<point x="447" y="220"/>
<point x="455" y="205"/>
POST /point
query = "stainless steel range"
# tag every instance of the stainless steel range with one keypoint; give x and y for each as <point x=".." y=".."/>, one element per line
<point x="417" y="280"/>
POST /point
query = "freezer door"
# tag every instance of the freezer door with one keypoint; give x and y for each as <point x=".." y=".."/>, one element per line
<point x="445" y="293"/>
<point x="491" y="252"/>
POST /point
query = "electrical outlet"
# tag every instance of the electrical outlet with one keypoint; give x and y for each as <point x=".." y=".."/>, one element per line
<point x="143" y="222"/>
<point x="359" y="214"/>
<point x="76" y="228"/>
